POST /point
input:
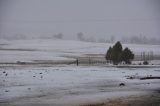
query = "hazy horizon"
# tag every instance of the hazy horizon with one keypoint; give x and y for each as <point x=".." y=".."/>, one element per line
<point x="94" y="18"/>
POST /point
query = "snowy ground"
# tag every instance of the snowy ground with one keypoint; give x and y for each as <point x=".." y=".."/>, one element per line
<point x="53" y="50"/>
<point x="58" y="85"/>
<point x="66" y="85"/>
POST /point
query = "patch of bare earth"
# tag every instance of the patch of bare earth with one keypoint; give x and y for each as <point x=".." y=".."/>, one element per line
<point x="145" y="100"/>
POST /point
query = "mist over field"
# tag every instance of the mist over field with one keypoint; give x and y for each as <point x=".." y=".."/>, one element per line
<point x="79" y="53"/>
<point x="98" y="20"/>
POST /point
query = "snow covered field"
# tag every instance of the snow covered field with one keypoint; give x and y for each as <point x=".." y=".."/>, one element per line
<point x="66" y="85"/>
<point x="58" y="85"/>
<point x="54" y="50"/>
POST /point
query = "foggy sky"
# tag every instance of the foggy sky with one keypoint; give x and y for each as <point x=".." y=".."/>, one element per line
<point x="98" y="18"/>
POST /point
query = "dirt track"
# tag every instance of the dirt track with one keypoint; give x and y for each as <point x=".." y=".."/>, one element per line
<point x="145" y="100"/>
<point x="152" y="99"/>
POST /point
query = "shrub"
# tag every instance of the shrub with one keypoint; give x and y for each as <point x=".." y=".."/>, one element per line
<point x="145" y="63"/>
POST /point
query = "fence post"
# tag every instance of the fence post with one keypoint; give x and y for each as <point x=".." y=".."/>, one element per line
<point x="77" y="62"/>
<point x="89" y="60"/>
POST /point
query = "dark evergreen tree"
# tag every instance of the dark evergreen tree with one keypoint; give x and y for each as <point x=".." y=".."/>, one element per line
<point x="108" y="54"/>
<point x="126" y="56"/>
<point x="116" y="51"/>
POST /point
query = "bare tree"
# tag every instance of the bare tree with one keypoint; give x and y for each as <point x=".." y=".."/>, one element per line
<point x="80" y="36"/>
<point x="58" y="36"/>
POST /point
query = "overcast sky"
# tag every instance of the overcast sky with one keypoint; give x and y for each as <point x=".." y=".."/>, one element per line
<point x="98" y="18"/>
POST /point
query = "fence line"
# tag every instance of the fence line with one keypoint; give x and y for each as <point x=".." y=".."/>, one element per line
<point x="88" y="60"/>
<point x="101" y="60"/>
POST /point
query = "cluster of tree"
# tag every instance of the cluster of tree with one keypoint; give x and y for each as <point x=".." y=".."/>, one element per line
<point x="110" y="39"/>
<point x="31" y="36"/>
<point x="58" y="36"/>
<point x="13" y="37"/>
<point x="81" y="37"/>
<point x="140" y="40"/>
<point x="130" y="39"/>
<point x="116" y="54"/>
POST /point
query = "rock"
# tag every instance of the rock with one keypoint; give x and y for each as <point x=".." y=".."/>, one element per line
<point x="6" y="91"/>
<point x="121" y="84"/>
<point x="29" y="88"/>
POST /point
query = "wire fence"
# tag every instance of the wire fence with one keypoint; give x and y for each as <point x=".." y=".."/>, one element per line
<point x="101" y="59"/>
<point x="87" y="60"/>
